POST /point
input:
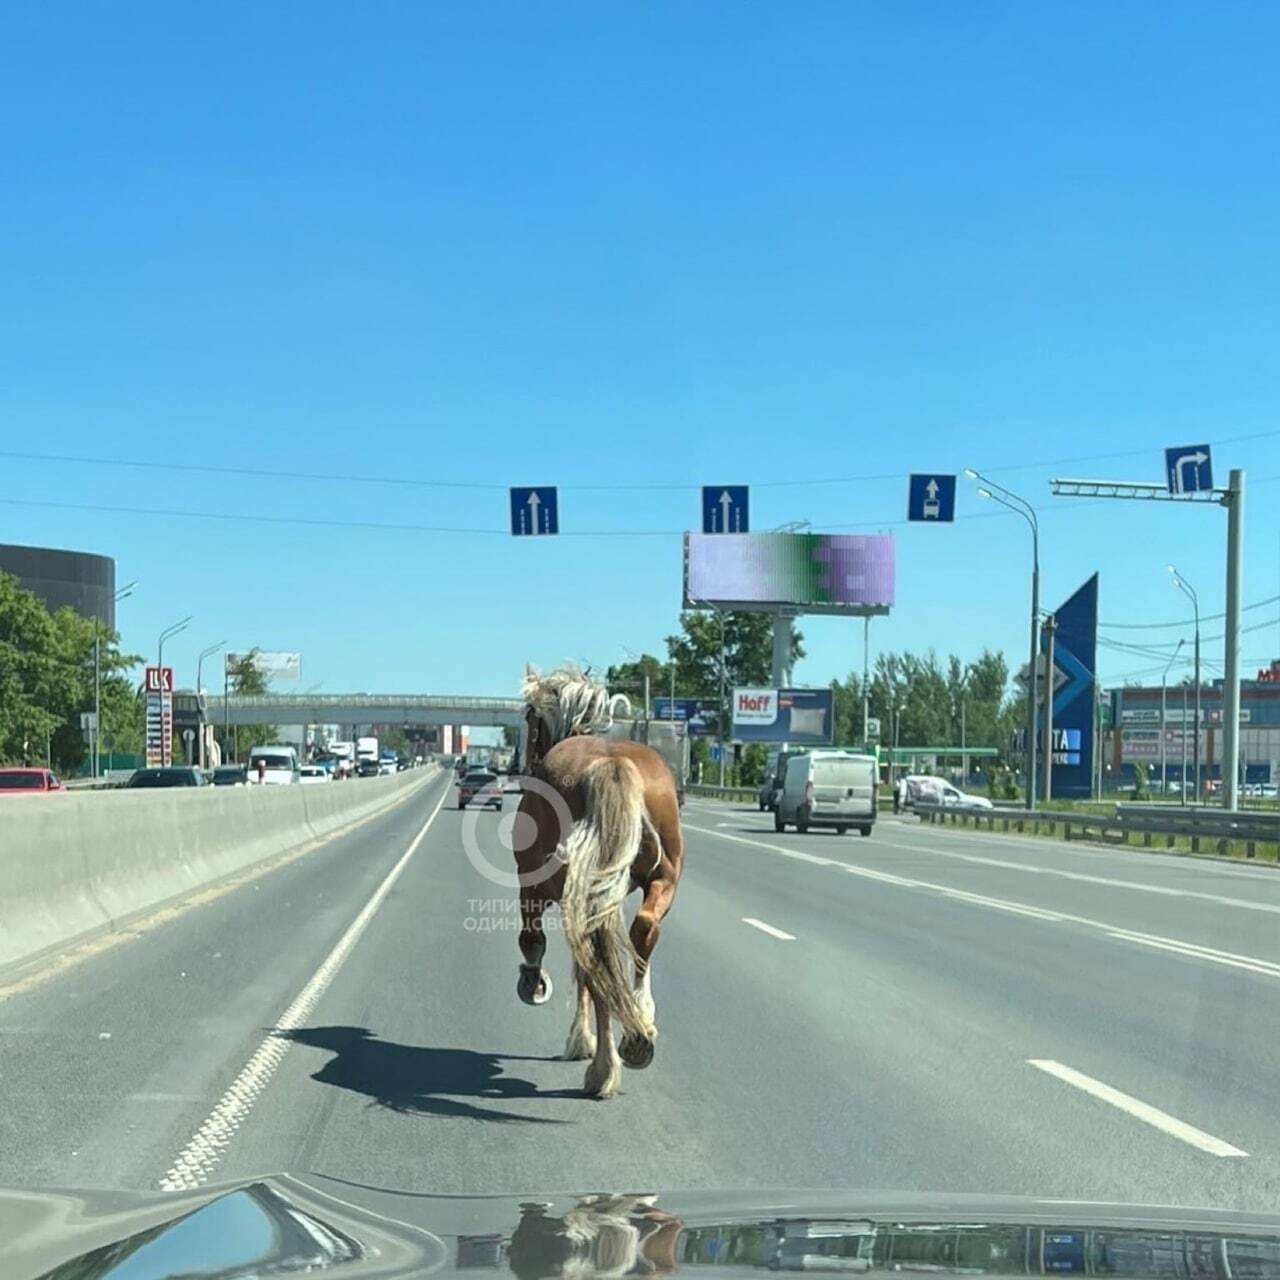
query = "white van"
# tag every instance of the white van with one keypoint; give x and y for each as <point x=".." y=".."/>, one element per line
<point x="829" y="789"/>
<point x="279" y="765"/>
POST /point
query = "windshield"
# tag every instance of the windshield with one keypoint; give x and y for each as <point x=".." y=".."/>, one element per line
<point x="805" y="479"/>
<point x="21" y="782"/>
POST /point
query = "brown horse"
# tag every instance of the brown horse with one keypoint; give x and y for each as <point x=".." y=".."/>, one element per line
<point x="597" y="820"/>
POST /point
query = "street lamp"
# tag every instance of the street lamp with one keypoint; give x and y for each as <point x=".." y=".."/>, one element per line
<point x="1188" y="590"/>
<point x="1028" y="513"/>
<point x="1164" y="764"/>
<point x="167" y="634"/>
<point x="204" y="653"/>
<point x="122" y="594"/>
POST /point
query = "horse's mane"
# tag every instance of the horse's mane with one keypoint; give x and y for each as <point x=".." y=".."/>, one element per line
<point x="570" y="702"/>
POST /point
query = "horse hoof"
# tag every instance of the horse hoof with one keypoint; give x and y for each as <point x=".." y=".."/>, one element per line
<point x="579" y="1047"/>
<point x="636" y="1051"/>
<point x="533" y="986"/>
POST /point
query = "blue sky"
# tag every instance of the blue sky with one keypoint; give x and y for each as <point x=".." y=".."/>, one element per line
<point x="658" y="245"/>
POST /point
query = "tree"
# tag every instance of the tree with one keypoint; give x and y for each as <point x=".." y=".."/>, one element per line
<point x="46" y="679"/>
<point x="245" y="677"/>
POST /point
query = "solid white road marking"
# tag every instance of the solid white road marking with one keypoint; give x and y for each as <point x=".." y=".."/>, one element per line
<point x="1140" y="1110"/>
<point x="1108" y="881"/>
<point x="769" y="929"/>
<point x="1252" y="964"/>
<point x="196" y="1160"/>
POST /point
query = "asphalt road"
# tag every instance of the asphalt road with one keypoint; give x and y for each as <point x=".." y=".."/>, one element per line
<point x="922" y="1010"/>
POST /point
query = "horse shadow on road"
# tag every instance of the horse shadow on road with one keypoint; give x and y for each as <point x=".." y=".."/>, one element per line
<point x="423" y="1081"/>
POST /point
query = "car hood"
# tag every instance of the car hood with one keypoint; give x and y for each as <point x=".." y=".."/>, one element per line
<point x="282" y="1225"/>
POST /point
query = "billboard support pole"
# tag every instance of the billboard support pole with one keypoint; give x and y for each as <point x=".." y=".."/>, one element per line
<point x="781" y="649"/>
<point x="720" y="716"/>
<point x="866" y="688"/>
<point x="1231" y="660"/>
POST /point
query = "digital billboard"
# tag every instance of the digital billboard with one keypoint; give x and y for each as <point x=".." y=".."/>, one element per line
<point x="810" y="572"/>
<point x="802" y="717"/>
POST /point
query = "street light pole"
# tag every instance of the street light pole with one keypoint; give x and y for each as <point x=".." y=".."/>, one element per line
<point x="96" y="737"/>
<point x="1028" y="513"/>
<point x="1187" y="589"/>
<point x="1164" y="680"/>
<point x="167" y="634"/>
<point x="204" y="653"/>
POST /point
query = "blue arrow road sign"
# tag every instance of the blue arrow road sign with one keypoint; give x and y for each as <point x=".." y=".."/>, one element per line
<point x="932" y="498"/>
<point x="534" y="511"/>
<point x="1188" y="469"/>
<point x="724" y="508"/>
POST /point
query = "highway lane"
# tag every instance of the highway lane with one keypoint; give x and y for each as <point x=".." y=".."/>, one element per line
<point x="883" y="1041"/>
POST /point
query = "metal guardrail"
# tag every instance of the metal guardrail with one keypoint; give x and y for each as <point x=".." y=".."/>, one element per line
<point x="750" y="794"/>
<point x="1163" y="823"/>
<point x="273" y="702"/>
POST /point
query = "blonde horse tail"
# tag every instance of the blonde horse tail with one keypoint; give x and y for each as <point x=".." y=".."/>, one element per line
<point x="598" y="855"/>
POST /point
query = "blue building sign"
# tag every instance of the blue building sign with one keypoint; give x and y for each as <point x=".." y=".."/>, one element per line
<point x="1075" y="650"/>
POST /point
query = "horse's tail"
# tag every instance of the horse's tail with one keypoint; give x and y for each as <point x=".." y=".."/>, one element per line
<point x="599" y="853"/>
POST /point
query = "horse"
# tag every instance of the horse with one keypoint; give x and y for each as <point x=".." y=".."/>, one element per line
<point x="598" y="819"/>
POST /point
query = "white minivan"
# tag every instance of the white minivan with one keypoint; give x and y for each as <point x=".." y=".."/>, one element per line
<point x="274" y="766"/>
<point x="829" y="789"/>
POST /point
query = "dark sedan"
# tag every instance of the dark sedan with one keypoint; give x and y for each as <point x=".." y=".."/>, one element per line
<point x="172" y="776"/>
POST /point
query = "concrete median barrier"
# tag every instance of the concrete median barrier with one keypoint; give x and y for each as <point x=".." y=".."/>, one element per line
<point x="74" y="866"/>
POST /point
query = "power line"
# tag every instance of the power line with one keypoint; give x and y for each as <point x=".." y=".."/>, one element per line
<point x="419" y="482"/>
<point x="1184" y="622"/>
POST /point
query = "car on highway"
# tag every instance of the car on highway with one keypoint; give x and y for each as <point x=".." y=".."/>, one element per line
<point x="30" y="782"/>
<point x="310" y="774"/>
<point x="954" y="798"/>
<point x="178" y="775"/>
<point x="480" y="786"/>
<point x="368" y="769"/>
<point x="837" y="789"/>
<point x="774" y="777"/>
<point x="228" y="775"/>
<point x="273" y="766"/>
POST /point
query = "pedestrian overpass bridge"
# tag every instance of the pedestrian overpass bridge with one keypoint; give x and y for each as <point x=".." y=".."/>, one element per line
<point x="362" y="708"/>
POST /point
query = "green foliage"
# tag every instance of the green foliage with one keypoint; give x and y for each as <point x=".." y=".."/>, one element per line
<point x="751" y="764"/>
<point x="245" y="677"/>
<point x="46" y="681"/>
<point x="1141" y="789"/>
<point x="693" y="657"/>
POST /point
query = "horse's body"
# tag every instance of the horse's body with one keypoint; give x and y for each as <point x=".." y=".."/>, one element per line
<point x="599" y="819"/>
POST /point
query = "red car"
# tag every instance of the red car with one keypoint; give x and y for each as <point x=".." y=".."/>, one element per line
<point x="29" y="782"/>
<point x="480" y="788"/>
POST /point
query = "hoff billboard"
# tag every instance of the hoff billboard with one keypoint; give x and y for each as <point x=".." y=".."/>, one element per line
<point x="811" y="572"/>
<point x="801" y="716"/>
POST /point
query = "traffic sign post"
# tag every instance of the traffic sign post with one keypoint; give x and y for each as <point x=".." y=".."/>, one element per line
<point x="873" y="729"/>
<point x="725" y="508"/>
<point x="1189" y="469"/>
<point x="534" y="511"/>
<point x="932" y="499"/>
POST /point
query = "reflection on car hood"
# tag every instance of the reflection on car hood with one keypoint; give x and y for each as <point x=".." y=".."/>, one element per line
<point x="318" y="1225"/>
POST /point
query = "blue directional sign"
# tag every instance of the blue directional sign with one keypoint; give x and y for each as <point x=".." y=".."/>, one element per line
<point x="534" y="511"/>
<point x="1188" y="469"/>
<point x="724" y="508"/>
<point x="932" y="498"/>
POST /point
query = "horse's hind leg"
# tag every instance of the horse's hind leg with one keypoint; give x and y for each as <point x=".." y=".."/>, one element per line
<point x="582" y="1037"/>
<point x="637" y="1048"/>
<point x="534" y="984"/>
<point x="604" y="1075"/>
